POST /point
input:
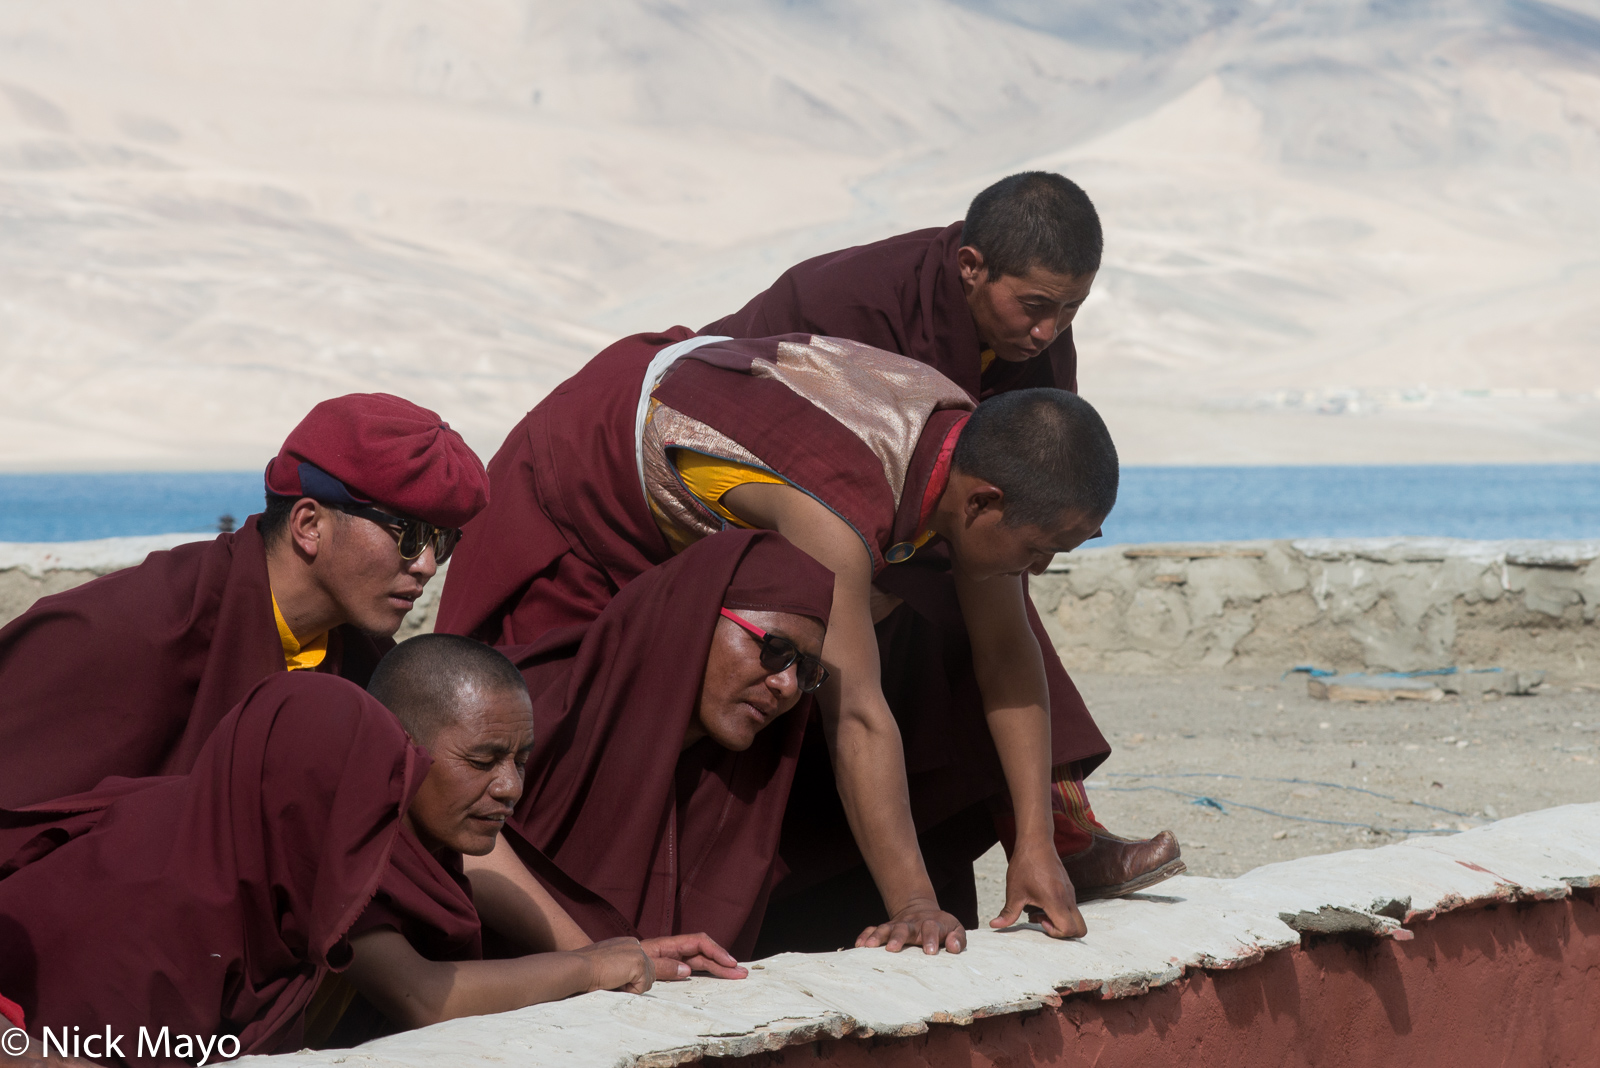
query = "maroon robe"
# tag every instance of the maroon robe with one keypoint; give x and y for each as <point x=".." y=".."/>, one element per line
<point x="904" y="295"/>
<point x="214" y="902"/>
<point x="129" y="674"/>
<point x="427" y="899"/>
<point x="568" y="527"/>
<point x="675" y="842"/>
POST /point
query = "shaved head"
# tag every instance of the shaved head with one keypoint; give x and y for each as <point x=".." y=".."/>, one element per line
<point x="428" y="680"/>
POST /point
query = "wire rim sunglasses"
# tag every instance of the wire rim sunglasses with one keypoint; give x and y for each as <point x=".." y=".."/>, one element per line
<point x="778" y="654"/>
<point x="414" y="535"/>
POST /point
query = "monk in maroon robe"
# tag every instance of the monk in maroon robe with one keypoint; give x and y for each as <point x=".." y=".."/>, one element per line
<point x="312" y="839"/>
<point x="129" y="674"/>
<point x="209" y="904"/>
<point x="597" y="485"/>
<point x="417" y="949"/>
<point x="988" y="301"/>
<point x="668" y="731"/>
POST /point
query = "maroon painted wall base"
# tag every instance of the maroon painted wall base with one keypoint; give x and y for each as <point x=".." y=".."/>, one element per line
<point x="1510" y="986"/>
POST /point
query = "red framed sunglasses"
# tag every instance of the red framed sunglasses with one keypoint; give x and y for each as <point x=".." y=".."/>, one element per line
<point x="778" y="654"/>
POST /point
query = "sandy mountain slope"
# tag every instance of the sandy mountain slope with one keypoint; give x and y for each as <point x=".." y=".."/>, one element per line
<point x="1336" y="231"/>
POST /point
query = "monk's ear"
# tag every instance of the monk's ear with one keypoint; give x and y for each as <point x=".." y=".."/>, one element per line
<point x="983" y="498"/>
<point x="973" y="269"/>
<point x="303" y="530"/>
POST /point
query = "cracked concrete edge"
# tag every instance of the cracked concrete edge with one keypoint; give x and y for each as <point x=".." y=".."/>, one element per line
<point x="1135" y="945"/>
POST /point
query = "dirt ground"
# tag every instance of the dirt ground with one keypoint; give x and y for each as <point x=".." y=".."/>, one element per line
<point x="1191" y="751"/>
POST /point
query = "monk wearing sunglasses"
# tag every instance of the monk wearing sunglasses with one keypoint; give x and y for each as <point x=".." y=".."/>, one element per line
<point x="668" y="732"/>
<point x="129" y="674"/>
<point x="943" y="721"/>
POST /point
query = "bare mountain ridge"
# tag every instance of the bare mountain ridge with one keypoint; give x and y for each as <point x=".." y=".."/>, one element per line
<point x="214" y="214"/>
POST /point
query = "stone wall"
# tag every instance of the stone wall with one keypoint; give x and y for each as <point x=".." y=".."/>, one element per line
<point x="1396" y="604"/>
<point x="31" y="570"/>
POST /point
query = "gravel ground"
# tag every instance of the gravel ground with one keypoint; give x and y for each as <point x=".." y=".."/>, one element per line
<point x="1238" y="740"/>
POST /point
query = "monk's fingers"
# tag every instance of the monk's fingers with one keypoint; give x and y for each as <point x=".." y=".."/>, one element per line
<point x="1063" y="921"/>
<point x="932" y="936"/>
<point x="643" y="975"/>
<point x="869" y="938"/>
<point x="704" y="946"/>
<point x="718" y="969"/>
<point x="670" y="968"/>
<point x="1011" y="913"/>
<point x="956" y="941"/>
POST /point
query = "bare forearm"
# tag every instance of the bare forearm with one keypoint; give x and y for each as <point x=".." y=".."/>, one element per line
<point x="511" y="901"/>
<point x="869" y="765"/>
<point x="1016" y="695"/>
<point x="449" y="990"/>
<point x="481" y="987"/>
<point x="1022" y="739"/>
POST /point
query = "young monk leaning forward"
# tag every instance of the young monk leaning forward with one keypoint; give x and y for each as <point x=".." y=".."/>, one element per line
<point x="865" y="460"/>
<point x="668" y="732"/>
<point x="311" y="830"/>
<point x="129" y="674"/>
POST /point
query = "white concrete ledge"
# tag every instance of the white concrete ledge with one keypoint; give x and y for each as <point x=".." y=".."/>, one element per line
<point x="1134" y="945"/>
<point x="102" y="555"/>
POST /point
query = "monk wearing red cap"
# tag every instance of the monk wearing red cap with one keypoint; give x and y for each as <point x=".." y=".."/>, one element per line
<point x="946" y="723"/>
<point x="129" y="674"/>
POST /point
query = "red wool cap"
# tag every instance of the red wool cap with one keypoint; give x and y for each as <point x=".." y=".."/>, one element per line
<point x="374" y="448"/>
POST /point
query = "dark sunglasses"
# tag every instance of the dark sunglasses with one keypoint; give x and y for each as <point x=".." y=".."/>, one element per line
<point x="779" y="654"/>
<point x="414" y="535"/>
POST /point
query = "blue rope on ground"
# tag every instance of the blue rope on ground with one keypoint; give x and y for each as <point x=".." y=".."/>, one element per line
<point x="1323" y="673"/>
<point x="1217" y="803"/>
<point x="1298" y="782"/>
<point x="1207" y="801"/>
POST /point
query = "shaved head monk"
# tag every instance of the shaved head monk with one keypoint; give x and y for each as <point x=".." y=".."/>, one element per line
<point x="209" y="904"/>
<point x="865" y="460"/>
<point x="417" y="947"/>
<point x="669" y="731"/>
<point x="129" y="674"/>
<point x="987" y="301"/>
<point x="310" y="833"/>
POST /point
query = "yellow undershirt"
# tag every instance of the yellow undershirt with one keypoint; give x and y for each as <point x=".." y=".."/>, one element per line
<point x="297" y="657"/>
<point x="985" y="358"/>
<point x="709" y="477"/>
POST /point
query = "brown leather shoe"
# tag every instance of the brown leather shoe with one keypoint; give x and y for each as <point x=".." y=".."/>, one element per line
<point x="1113" y="867"/>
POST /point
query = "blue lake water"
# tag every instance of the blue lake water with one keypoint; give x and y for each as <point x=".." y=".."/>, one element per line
<point x="1157" y="503"/>
<point x="1476" y="501"/>
<point x="75" y="507"/>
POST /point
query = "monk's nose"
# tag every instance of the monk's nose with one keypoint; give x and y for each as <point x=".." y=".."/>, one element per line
<point x="786" y="683"/>
<point x="507" y="786"/>
<point x="424" y="566"/>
